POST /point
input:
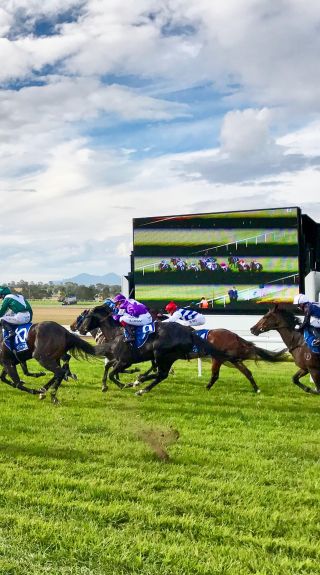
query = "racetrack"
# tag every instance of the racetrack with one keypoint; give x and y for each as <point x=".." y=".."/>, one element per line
<point x="179" y="481"/>
<point x="63" y="314"/>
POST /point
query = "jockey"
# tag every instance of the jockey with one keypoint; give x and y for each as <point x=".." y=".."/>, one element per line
<point x="14" y="311"/>
<point x="311" y="312"/>
<point x="185" y="316"/>
<point x="131" y="314"/>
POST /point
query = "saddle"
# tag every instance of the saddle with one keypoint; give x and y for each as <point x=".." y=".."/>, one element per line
<point x="20" y="340"/>
<point x="310" y="338"/>
<point x="142" y="333"/>
<point x="203" y="333"/>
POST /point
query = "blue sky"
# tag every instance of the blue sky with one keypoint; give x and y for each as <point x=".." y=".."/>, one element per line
<point x="113" y="110"/>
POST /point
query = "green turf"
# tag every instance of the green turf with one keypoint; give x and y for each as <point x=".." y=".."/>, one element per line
<point x="100" y="485"/>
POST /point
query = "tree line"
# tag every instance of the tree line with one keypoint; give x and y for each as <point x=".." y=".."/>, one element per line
<point x="41" y="290"/>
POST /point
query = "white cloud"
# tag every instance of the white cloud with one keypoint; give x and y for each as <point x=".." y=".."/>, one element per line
<point x="69" y="198"/>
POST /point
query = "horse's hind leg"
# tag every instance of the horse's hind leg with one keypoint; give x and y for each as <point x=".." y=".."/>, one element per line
<point x="215" y="370"/>
<point x="248" y="374"/>
<point x="59" y="373"/>
<point x="67" y="371"/>
<point x="306" y="388"/>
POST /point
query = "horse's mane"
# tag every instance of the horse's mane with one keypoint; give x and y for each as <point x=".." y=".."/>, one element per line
<point x="289" y="317"/>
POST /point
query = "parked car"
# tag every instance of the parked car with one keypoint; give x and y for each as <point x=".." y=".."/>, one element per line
<point x="70" y="300"/>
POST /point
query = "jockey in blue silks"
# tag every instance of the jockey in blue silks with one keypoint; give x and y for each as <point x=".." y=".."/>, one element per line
<point x="311" y="312"/>
<point x="185" y="316"/>
<point x="131" y="314"/>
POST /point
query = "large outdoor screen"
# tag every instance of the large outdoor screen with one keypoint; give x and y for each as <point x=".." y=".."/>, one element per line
<point x="238" y="261"/>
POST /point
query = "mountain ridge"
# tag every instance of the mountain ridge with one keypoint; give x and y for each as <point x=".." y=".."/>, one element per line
<point x="92" y="279"/>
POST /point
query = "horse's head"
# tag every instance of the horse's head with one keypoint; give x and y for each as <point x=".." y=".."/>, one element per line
<point x="94" y="317"/>
<point x="75" y="326"/>
<point x="275" y="318"/>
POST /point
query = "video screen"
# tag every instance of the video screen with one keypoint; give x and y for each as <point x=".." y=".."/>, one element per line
<point x="237" y="261"/>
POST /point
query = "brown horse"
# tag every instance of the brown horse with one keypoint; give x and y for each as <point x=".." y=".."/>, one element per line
<point x="228" y="341"/>
<point x="48" y="343"/>
<point x="284" y="322"/>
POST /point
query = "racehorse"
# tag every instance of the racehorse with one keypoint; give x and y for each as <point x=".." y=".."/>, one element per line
<point x="229" y="342"/>
<point x="179" y="264"/>
<point x="284" y="322"/>
<point x="164" y="266"/>
<point x="256" y="266"/>
<point x="169" y="342"/>
<point x="101" y="338"/>
<point x="226" y="342"/>
<point x="48" y="342"/>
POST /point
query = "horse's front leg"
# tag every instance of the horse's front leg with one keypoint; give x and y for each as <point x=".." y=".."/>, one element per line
<point x="28" y="373"/>
<point x="16" y="382"/>
<point x="107" y="365"/>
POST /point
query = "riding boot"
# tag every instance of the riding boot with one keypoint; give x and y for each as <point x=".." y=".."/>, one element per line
<point x="315" y="332"/>
<point x="11" y="329"/>
<point x="130" y="334"/>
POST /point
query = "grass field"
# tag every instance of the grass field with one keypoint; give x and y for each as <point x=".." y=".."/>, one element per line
<point x="103" y="484"/>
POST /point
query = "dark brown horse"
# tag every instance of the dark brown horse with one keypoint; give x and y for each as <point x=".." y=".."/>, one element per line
<point x="284" y="322"/>
<point x="101" y="338"/>
<point x="48" y="343"/>
<point x="228" y="343"/>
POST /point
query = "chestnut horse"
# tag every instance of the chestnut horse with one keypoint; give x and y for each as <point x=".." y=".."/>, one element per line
<point x="284" y="322"/>
<point x="228" y="341"/>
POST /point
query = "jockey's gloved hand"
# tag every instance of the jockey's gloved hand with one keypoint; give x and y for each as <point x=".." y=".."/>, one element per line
<point x="299" y="328"/>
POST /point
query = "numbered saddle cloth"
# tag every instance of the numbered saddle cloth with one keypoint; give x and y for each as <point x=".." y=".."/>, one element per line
<point x="142" y="333"/>
<point x="20" y="340"/>
<point x="309" y="339"/>
<point x="203" y="333"/>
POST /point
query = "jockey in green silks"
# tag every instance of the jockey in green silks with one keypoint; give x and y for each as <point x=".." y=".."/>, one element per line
<point x="15" y="310"/>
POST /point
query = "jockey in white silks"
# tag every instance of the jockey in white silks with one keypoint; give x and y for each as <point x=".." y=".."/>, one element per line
<point x="185" y="316"/>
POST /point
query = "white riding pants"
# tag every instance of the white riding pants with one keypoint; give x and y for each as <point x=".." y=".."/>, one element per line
<point x="143" y="319"/>
<point x="17" y="318"/>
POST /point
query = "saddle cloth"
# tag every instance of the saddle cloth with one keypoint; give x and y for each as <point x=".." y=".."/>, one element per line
<point x="20" y="340"/>
<point x="203" y="333"/>
<point x="142" y="333"/>
<point x="309" y="339"/>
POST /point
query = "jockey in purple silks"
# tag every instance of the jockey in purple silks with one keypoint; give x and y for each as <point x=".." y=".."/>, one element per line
<point x="131" y="314"/>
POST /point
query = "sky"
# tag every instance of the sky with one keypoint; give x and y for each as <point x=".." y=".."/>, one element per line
<point x="111" y="110"/>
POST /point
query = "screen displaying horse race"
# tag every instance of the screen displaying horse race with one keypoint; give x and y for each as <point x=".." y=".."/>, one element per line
<point x="237" y="261"/>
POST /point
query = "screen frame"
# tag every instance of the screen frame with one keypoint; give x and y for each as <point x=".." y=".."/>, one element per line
<point x="226" y="310"/>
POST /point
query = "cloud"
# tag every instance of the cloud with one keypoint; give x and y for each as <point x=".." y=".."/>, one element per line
<point x="109" y="112"/>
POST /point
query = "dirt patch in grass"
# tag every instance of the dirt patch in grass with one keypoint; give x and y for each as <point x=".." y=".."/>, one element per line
<point x="159" y="440"/>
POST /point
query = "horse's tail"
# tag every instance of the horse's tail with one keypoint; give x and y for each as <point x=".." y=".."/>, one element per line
<point x="78" y="347"/>
<point x="206" y="348"/>
<point x="266" y="355"/>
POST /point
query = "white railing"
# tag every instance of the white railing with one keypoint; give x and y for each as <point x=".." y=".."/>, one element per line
<point x="224" y="297"/>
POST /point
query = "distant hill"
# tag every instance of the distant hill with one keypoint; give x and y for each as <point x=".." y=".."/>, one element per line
<point x="88" y="279"/>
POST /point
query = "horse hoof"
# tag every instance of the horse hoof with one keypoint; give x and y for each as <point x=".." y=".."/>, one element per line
<point x="127" y="385"/>
<point x="54" y="400"/>
<point x="258" y="391"/>
<point x="140" y="392"/>
<point x="104" y="389"/>
<point x="136" y="383"/>
<point x="74" y="376"/>
<point x="42" y="395"/>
